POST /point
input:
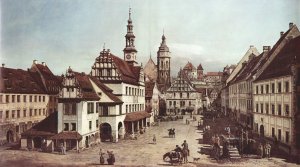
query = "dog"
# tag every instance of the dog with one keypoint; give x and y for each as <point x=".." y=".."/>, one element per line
<point x="196" y="159"/>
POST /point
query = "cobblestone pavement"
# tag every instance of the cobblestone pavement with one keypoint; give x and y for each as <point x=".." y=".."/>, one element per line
<point x="140" y="152"/>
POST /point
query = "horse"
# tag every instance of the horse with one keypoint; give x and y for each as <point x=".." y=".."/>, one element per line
<point x="172" y="132"/>
<point x="173" y="156"/>
<point x="185" y="153"/>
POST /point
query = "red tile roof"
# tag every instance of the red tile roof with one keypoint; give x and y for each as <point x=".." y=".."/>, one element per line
<point x="135" y="116"/>
<point x="87" y="90"/>
<point x="20" y="81"/>
<point x="67" y="135"/>
<point x="189" y="66"/>
<point x="47" y="127"/>
<point x="200" y="67"/>
<point x="281" y="64"/>
<point x="214" y="74"/>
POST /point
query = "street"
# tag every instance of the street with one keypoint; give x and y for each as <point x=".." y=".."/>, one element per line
<point x="140" y="152"/>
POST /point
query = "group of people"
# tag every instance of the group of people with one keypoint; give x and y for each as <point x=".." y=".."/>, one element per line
<point x="264" y="150"/>
<point x="111" y="157"/>
<point x="184" y="150"/>
<point x="62" y="149"/>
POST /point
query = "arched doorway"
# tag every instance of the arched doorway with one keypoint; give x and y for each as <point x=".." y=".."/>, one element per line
<point x="262" y="130"/>
<point x="86" y="141"/>
<point x="105" y="132"/>
<point x="37" y="141"/>
<point x="120" y="130"/>
<point x="9" y="136"/>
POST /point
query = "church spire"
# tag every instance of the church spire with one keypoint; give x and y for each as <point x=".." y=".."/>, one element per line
<point x="129" y="50"/>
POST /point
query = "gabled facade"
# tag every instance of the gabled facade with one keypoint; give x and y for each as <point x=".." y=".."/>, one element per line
<point x="274" y="93"/>
<point x="182" y="97"/>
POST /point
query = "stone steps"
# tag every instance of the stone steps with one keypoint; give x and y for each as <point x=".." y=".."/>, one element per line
<point x="234" y="153"/>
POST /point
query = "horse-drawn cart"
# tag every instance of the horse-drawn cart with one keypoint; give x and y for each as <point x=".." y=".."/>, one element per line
<point x="173" y="157"/>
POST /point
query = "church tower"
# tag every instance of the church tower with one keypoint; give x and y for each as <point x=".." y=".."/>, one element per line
<point x="163" y="64"/>
<point x="129" y="51"/>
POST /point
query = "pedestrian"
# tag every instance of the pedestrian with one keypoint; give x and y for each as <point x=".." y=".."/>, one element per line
<point x="111" y="158"/>
<point x="185" y="146"/>
<point x="154" y="139"/>
<point x="268" y="150"/>
<point x="101" y="157"/>
<point x="260" y="150"/>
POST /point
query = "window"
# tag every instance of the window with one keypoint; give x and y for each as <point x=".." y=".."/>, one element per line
<point x="256" y="107"/>
<point x="90" y="125"/>
<point x="44" y="112"/>
<point x="129" y="108"/>
<point x="170" y="103"/>
<point x="74" y="108"/>
<point x="66" y="128"/>
<point x="262" y="89"/>
<point x="30" y="98"/>
<point x="30" y="112"/>
<point x="279" y="109"/>
<point x="279" y="87"/>
<point x="7" y="114"/>
<point x="273" y="87"/>
<point x="279" y="134"/>
<point x="261" y="108"/>
<point x="90" y="108"/>
<point x="18" y="98"/>
<point x="43" y="98"/>
<point x="129" y="90"/>
<point x="120" y="109"/>
<point x="126" y="90"/>
<point x="273" y="132"/>
<point x="40" y="111"/>
<point x="24" y="113"/>
<point x="24" y="98"/>
<point x="1" y="112"/>
<point x="13" y="113"/>
<point x="13" y="98"/>
<point x="287" y="86"/>
<point x="97" y="107"/>
<point x="188" y="95"/>
<point x="103" y="110"/>
<point x="287" y="136"/>
<point x="267" y="108"/>
<point x="1" y="96"/>
<point x="267" y="88"/>
<point x="7" y="98"/>
<point x="73" y="126"/>
<point x="35" y="112"/>
<point x="97" y="123"/>
<point x="287" y="110"/>
<point x="18" y="113"/>
<point x="273" y="109"/>
<point x="256" y="89"/>
<point x="174" y="103"/>
<point x="126" y="108"/>
<point x="35" y="98"/>
<point x="40" y="98"/>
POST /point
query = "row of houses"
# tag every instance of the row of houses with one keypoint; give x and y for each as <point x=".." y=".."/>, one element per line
<point x="262" y="93"/>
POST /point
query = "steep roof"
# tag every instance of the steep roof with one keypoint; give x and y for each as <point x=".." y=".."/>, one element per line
<point x="249" y="69"/>
<point x="87" y="90"/>
<point x="20" y="81"/>
<point x="106" y="90"/>
<point x="281" y="64"/>
<point x="199" y="67"/>
<point x="47" y="127"/>
<point x="189" y="66"/>
<point x="150" y="70"/>
<point x="214" y="74"/>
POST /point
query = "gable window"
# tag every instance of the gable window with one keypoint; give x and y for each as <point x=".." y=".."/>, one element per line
<point x="287" y="86"/>
<point x="279" y="87"/>
<point x="90" y="107"/>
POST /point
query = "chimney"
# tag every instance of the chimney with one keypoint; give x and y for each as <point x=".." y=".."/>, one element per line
<point x="281" y="33"/>
<point x="35" y="61"/>
<point x="291" y="25"/>
<point x="266" y="48"/>
<point x="3" y="65"/>
<point x="44" y="64"/>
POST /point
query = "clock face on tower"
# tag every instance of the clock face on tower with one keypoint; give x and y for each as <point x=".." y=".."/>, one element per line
<point x="128" y="56"/>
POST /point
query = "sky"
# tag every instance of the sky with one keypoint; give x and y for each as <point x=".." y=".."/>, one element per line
<point x="66" y="33"/>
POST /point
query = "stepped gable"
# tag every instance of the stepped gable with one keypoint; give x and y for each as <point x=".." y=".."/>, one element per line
<point x="87" y="90"/>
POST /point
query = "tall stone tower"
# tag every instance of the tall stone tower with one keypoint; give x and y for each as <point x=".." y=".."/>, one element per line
<point x="129" y="51"/>
<point x="200" y="72"/>
<point x="163" y="64"/>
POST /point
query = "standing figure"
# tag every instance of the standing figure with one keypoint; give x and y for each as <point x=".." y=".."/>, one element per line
<point x="101" y="156"/>
<point x="185" y="146"/>
<point x="260" y="150"/>
<point x="268" y="150"/>
<point x="154" y="139"/>
<point x="111" y="158"/>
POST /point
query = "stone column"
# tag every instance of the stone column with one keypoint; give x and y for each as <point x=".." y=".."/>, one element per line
<point x="142" y="122"/>
<point x="132" y="128"/>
